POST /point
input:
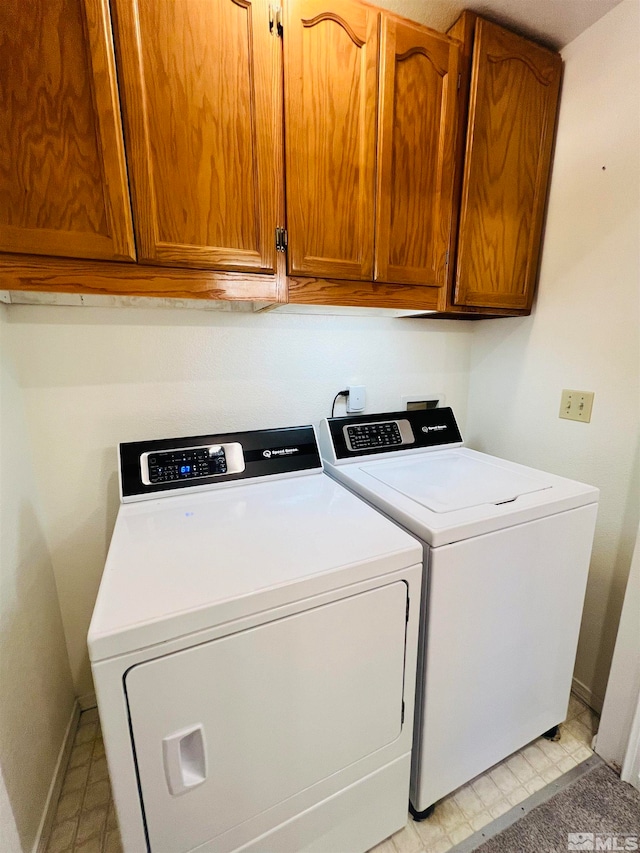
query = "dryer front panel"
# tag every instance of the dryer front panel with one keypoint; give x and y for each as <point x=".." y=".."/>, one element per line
<point x="228" y="729"/>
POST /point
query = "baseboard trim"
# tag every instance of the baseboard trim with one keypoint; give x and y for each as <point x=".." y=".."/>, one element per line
<point x="587" y="695"/>
<point x="87" y="701"/>
<point x="49" y="812"/>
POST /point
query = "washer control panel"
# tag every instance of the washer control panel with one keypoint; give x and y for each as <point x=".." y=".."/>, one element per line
<point x="191" y="463"/>
<point x="367" y="436"/>
<point x="347" y="438"/>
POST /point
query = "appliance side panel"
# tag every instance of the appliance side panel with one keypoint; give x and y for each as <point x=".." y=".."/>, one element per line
<point x="503" y="619"/>
<point x="420" y="669"/>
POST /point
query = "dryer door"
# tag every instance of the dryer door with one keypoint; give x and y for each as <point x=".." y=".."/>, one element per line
<point x="228" y="729"/>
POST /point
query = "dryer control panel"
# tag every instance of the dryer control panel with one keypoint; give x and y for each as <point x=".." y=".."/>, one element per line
<point x="191" y="463"/>
<point x="156" y="468"/>
<point x="343" y="439"/>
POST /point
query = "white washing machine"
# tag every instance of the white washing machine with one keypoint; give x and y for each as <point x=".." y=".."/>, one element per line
<point x="507" y="553"/>
<point x="253" y="647"/>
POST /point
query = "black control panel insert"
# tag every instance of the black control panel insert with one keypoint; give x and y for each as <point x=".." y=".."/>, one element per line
<point x="392" y="432"/>
<point x="364" y="436"/>
<point x="187" y="464"/>
<point x="167" y="465"/>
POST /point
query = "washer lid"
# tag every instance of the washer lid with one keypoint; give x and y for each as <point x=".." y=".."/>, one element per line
<point x="444" y="496"/>
<point x="452" y="481"/>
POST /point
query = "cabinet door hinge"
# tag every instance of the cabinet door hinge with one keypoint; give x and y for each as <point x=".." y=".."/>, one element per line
<point x="459" y="80"/>
<point x="281" y="240"/>
<point x="446" y="259"/>
<point x="275" y="20"/>
<point x="407" y="608"/>
<point x="402" y="714"/>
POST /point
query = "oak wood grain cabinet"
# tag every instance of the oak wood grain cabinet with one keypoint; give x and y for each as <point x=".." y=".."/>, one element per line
<point x="202" y="103"/>
<point x="63" y="177"/>
<point x="366" y="204"/>
<point x="514" y="87"/>
<point x="380" y="155"/>
<point x="331" y="85"/>
<point x="416" y="154"/>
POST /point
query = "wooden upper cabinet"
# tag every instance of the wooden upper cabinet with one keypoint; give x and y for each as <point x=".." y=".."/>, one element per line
<point x="416" y="134"/>
<point x="202" y="102"/>
<point x="512" y="113"/>
<point x="331" y="63"/>
<point x="63" y="178"/>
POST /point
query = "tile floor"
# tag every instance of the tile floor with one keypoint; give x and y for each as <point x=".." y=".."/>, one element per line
<point x="85" y="820"/>
<point x="492" y="794"/>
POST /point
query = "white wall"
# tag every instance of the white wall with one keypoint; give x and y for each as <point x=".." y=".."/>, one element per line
<point x="93" y="377"/>
<point x="36" y="688"/>
<point x="9" y="838"/>
<point x="583" y="333"/>
<point x="622" y="700"/>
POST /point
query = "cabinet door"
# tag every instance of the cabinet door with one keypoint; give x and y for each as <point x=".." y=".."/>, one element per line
<point x="512" y="113"/>
<point x="416" y="128"/>
<point x="63" y="179"/>
<point x="202" y="106"/>
<point x="331" y="57"/>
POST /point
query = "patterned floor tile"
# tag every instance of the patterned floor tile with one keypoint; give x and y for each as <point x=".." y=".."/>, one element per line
<point x="85" y="820"/>
<point x="509" y="783"/>
<point x="407" y="840"/>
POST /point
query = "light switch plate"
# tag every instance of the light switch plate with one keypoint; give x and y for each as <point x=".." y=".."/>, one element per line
<point x="576" y="405"/>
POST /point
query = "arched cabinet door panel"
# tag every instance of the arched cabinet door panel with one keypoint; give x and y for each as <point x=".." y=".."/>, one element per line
<point x="416" y="153"/>
<point x="512" y="114"/>
<point x="331" y="59"/>
<point x="202" y="106"/>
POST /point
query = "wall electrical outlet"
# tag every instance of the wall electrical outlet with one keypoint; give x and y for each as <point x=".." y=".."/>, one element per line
<point x="576" y="405"/>
<point x="356" y="399"/>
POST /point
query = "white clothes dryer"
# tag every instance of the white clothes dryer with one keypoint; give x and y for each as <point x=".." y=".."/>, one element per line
<point x="506" y="556"/>
<point x="253" y="647"/>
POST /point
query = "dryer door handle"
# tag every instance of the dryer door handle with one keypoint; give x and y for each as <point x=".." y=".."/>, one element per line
<point x="185" y="759"/>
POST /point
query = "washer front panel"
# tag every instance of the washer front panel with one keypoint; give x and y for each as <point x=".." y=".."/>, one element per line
<point x="499" y="648"/>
